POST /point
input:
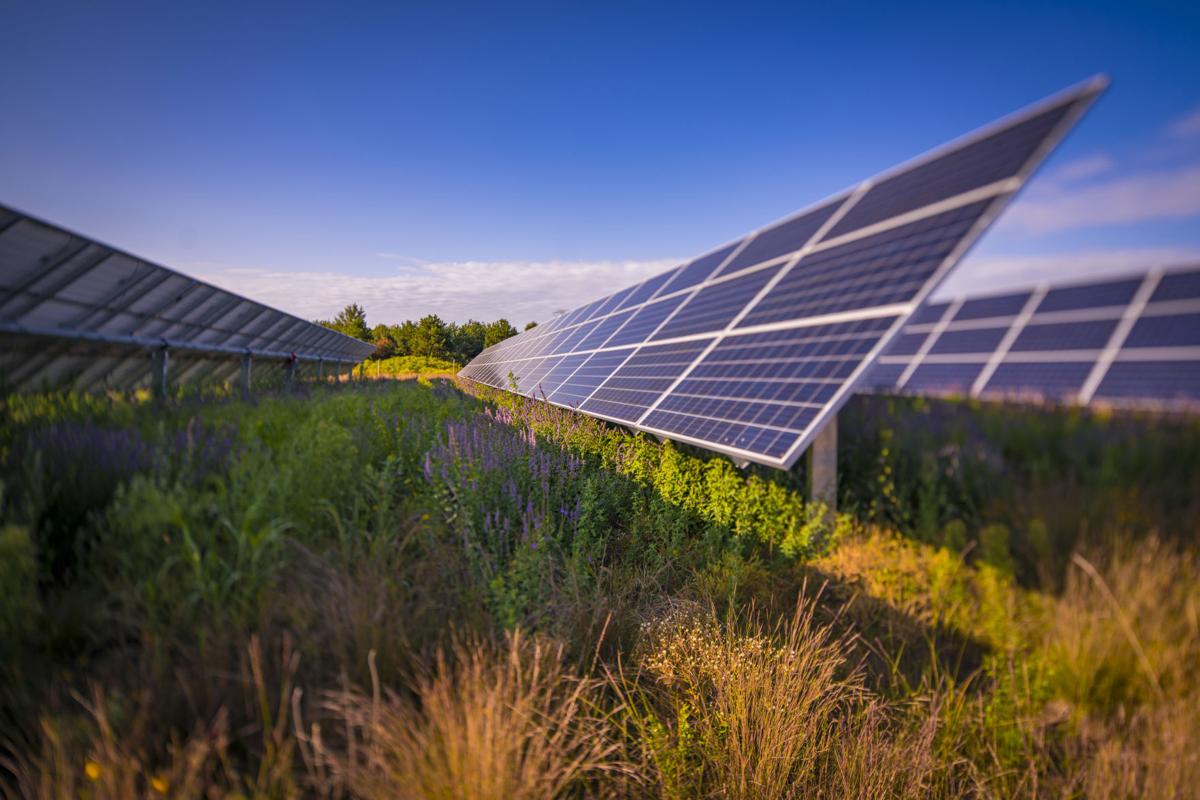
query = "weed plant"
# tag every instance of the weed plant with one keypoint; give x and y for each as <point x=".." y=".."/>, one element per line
<point x="415" y="589"/>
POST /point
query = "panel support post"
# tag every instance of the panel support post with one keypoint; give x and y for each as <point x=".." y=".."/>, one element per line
<point x="821" y="461"/>
<point x="161" y="362"/>
<point x="290" y="375"/>
<point x="247" y="374"/>
<point x="320" y="370"/>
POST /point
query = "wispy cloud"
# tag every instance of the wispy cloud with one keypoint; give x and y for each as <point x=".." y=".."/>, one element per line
<point x="519" y="290"/>
<point x="999" y="272"/>
<point x="1081" y="168"/>
<point x="1121" y="200"/>
<point x="1187" y="127"/>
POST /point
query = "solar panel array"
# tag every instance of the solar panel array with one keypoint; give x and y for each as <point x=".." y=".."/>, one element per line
<point x="75" y="313"/>
<point x="751" y="348"/>
<point x="1130" y="341"/>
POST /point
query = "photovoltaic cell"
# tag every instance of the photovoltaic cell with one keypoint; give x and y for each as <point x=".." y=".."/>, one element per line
<point x="699" y="270"/>
<point x="782" y="239"/>
<point x="630" y="391"/>
<point x="1005" y="305"/>
<point x="1088" y="335"/>
<point x="1098" y="295"/>
<point x="986" y="161"/>
<point x="1168" y="381"/>
<point x="1168" y="330"/>
<point x="1100" y="341"/>
<point x="715" y="306"/>
<point x="645" y="320"/>
<point x="749" y="349"/>
<point x="1178" y="286"/>
<point x="645" y="290"/>
<point x="1049" y="380"/>
<point x="887" y="268"/>
<point x="575" y="389"/>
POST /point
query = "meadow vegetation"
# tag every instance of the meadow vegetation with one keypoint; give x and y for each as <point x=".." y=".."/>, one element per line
<point x="424" y="589"/>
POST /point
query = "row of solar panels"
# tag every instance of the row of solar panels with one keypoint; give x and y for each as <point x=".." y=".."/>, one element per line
<point x="749" y="349"/>
<point x="1133" y="340"/>
<point x="75" y="313"/>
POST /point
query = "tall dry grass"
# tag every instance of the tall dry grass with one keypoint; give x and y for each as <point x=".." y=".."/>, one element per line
<point x="488" y="720"/>
<point x="744" y="708"/>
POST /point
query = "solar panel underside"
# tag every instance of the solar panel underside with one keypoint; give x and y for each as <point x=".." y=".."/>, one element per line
<point x="77" y="313"/>
<point x="1127" y="341"/>
<point x="749" y="349"/>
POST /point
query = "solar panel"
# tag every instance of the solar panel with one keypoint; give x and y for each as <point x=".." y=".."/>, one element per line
<point x="751" y="348"/>
<point x="1129" y="341"/>
<point x="80" y="314"/>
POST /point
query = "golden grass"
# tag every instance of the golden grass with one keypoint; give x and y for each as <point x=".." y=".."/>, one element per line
<point x="488" y="720"/>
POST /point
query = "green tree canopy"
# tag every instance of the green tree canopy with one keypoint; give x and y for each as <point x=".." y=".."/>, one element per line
<point x="352" y="321"/>
<point x="530" y="325"/>
<point x="498" y="331"/>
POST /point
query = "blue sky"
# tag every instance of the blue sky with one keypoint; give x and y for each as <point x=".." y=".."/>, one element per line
<point x="479" y="160"/>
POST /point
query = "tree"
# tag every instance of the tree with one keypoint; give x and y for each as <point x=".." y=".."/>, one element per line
<point x="352" y="321"/>
<point x="466" y="340"/>
<point x="530" y="325"/>
<point x="429" y="338"/>
<point x="498" y="331"/>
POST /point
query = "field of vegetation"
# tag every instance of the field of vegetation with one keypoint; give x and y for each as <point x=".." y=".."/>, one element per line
<point x="421" y="589"/>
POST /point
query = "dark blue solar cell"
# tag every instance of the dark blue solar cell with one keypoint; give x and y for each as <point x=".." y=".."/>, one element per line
<point x="713" y="307"/>
<point x="775" y="380"/>
<point x="559" y="373"/>
<point x="1088" y="335"/>
<point x="635" y="386"/>
<point x="1177" y="286"/>
<point x="884" y="377"/>
<point x="645" y="320"/>
<point x="928" y="313"/>
<point x="786" y="237"/>
<point x="1093" y="295"/>
<point x="613" y="302"/>
<point x="645" y="290"/>
<point x="570" y="339"/>
<point x="698" y="270"/>
<point x="532" y="384"/>
<point x="575" y="389"/>
<point x="602" y="331"/>
<point x="1046" y="380"/>
<point x="907" y="344"/>
<point x="1168" y="330"/>
<point x="1001" y="155"/>
<point x="1163" y="381"/>
<point x="977" y="340"/>
<point x="943" y="378"/>
<point x="883" y="269"/>
<point x="1006" y="305"/>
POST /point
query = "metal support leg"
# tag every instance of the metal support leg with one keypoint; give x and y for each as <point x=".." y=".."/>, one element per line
<point x="821" y="461"/>
<point x="320" y="370"/>
<point x="290" y="376"/>
<point x="247" y="374"/>
<point x="159" y="385"/>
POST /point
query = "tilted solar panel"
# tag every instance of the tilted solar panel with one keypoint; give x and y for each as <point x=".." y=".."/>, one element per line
<point x="77" y="313"/>
<point x="751" y="348"/>
<point x="1129" y="341"/>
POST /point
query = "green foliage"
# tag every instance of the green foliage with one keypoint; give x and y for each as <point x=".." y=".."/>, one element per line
<point x="497" y="332"/>
<point x="351" y="321"/>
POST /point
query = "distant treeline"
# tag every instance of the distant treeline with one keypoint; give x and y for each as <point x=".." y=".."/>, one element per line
<point x="428" y="337"/>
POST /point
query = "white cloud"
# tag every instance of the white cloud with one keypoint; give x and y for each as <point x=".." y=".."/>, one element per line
<point x="999" y="272"/>
<point x="519" y="290"/>
<point x="1185" y="127"/>
<point x="1133" y="198"/>
<point x="1081" y="168"/>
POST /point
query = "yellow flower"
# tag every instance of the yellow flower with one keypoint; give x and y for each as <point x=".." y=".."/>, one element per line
<point x="159" y="784"/>
<point x="92" y="770"/>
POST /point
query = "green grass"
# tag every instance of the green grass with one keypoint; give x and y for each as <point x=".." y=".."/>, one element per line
<point x="407" y="367"/>
<point x="408" y="589"/>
